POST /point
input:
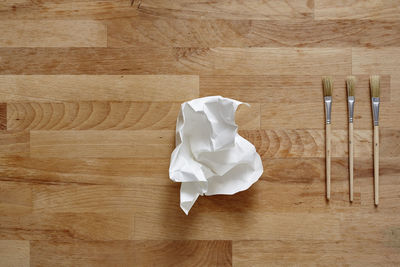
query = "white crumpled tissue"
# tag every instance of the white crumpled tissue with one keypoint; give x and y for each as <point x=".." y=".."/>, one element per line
<point x="210" y="157"/>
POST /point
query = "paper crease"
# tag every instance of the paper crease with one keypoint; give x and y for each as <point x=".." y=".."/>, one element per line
<point x="210" y="156"/>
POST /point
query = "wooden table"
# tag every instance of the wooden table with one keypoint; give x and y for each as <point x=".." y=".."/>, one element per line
<point x="90" y="92"/>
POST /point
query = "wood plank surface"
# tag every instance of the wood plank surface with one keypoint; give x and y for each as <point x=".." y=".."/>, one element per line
<point x="108" y="9"/>
<point x="89" y="96"/>
<point x="136" y="253"/>
<point x="260" y="253"/>
<point x="161" y="32"/>
<point x="14" y="252"/>
<point x="98" y="87"/>
<point x="219" y="61"/>
<point x="53" y="33"/>
<point x="356" y="9"/>
<point x="108" y="115"/>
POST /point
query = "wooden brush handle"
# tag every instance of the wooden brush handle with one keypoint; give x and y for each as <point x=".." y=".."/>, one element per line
<point x="351" y="153"/>
<point x="328" y="160"/>
<point x="376" y="164"/>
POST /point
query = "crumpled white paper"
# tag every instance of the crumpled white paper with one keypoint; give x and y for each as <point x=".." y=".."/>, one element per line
<point x="210" y="157"/>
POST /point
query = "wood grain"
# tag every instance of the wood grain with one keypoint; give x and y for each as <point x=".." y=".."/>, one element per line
<point x="346" y="252"/>
<point x="89" y="96"/>
<point x="154" y="31"/>
<point x="356" y="9"/>
<point x="98" y="87"/>
<point x="137" y="253"/>
<point x="314" y="118"/>
<point x="287" y="89"/>
<point x="236" y="9"/>
<point x="109" y="115"/>
<point x="109" y="9"/>
<point x="64" y="9"/>
<point x="143" y="143"/>
<point x="379" y="61"/>
<point x="14" y="253"/>
<point x="15" y="198"/>
<point x="219" y="61"/>
<point x="98" y="144"/>
<point x="100" y="171"/>
<point x="199" y="226"/>
<point x="3" y="116"/>
<point x="14" y="143"/>
<point x="53" y="33"/>
<point x="66" y="227"/>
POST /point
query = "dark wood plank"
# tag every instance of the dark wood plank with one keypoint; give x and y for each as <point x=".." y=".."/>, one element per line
<point x="3" y="116"/>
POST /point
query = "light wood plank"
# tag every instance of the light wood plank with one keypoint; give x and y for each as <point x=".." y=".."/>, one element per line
<point x="14" y="143"/>
<point x="133" y="253"/>
<point x="155" y="31"/>
<point x="282" y="226"/>
<point x="376" y="61"/>
<point x="81" y="253"/>
<point x="293" y="186"/>
<point x="278" y="116"/>
<point x="310" y="143"/>
<point x="109" y="116"/>
<point x="298" y="185"/>
<point x="102" y="144"/>
<point x="15" y="198"/>
<point x="53" y="33"/>
<point x="86" y="171"/>
<point x="65" y="9"/>
<point x="159" y="144"/>
<point x="67" y="227"/>
<point x="211" y="61"/>
<point x="184" y="253"/>
<point x="85" y="198"/>
<point x="287" y="89"/>
<point x="242" y="225"/>
<point x="14" y="253"/>
<point x="98" y="87"/>
<point x="109" y="9"/>
<point x="308" y="252"/>
<point x="227" y="9"/>
<point x="357" y="9"/>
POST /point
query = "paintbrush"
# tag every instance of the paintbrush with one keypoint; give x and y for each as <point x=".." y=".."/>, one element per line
<point x="328" y="87"/>
<point x="374" y="82"/>
<point x="350" y="84"/>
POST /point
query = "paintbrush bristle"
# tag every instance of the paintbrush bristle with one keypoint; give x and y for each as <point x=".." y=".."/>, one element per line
<point x="351" y="85"/>
<point x="327" y="85"/>
<point x="374" y="83"/>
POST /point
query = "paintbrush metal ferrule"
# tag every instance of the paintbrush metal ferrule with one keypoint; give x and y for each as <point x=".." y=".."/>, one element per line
<point x="375" y="109"/>
<point x="350" y="104"/>
<point x="328" y="108"/>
